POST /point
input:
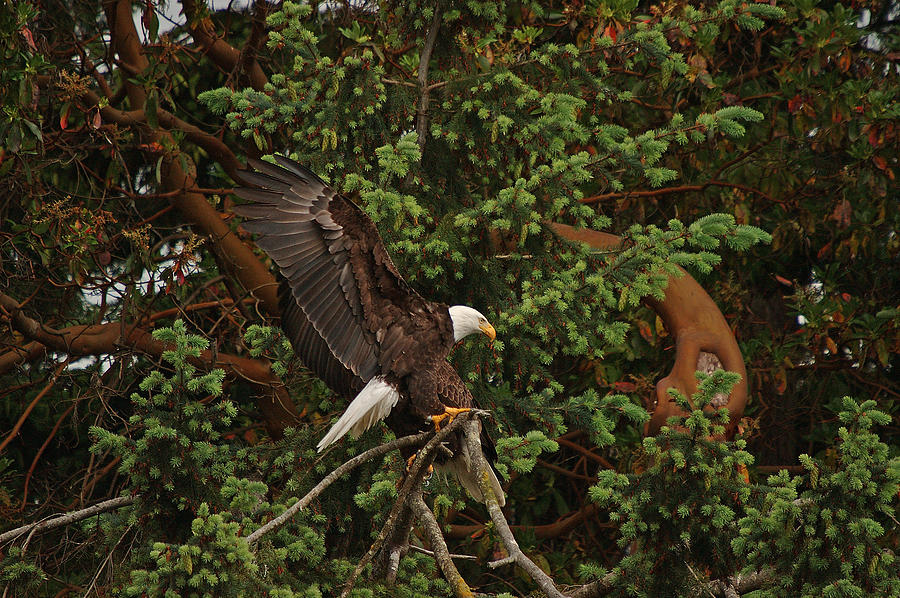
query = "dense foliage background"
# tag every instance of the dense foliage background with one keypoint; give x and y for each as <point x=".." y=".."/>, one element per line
<point x="133" y="364"/>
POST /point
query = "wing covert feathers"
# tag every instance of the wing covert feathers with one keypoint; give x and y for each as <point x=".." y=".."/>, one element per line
<point x="371" y="405"/>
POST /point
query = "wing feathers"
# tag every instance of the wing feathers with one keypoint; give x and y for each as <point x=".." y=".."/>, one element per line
<point x="265" y="181"/>
<point x="459" y="466"/>
<point x="371" y="405"/>
<point x="341" y="279"/>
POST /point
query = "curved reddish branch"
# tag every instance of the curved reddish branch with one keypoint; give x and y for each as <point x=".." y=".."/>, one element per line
<point x="100" y="339"/>
<point x="547" y="531"/>
<point x="179" y="171"/>
<point x="223" y="54"/>
<point x="698" y="327"/>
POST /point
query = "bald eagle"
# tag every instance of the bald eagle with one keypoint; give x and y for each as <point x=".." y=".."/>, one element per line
<point x="352" y="319"/>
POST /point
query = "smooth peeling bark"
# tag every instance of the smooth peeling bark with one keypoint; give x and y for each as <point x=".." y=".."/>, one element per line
<point x="699" y="330"/>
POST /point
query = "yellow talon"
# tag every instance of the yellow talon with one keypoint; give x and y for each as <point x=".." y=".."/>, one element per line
<point x="450" y="412"/>
<point x="409" y="463"/>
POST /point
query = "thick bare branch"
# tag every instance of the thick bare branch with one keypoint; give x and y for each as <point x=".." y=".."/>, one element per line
<point x="17" y="355"/>
<point x="179" y="171"/>
<point x="101" y="339"/>
<point x="727" y="588"/>
<point x="223" y="54"/>
<point x="480" y="467"/>
<point x="697" y="325"/>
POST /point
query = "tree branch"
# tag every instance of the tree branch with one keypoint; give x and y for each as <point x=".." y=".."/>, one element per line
<point x="424" y="90"/>
<point x="471" y="438"/>
<point x="100" y="339"/>
<point x="214" y="146"/>
<point x="67" y="518"/>
<point x="332" y="477"/>
<point x="441" y="554"/>
<point x="179" y="171"/>
<point x="222" y="54"/>
<point x="728" y="588"/>
<point x="413" y="478"/>
<point x="679" y="189"/>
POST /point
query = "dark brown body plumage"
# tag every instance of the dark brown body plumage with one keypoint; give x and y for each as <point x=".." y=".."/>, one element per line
<point x="349" y="314"/>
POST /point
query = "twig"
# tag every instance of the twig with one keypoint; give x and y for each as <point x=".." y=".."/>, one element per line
<point x="467" y="557"/>
<point x="31" y="406"/>
<point x="480" y="466"/>
<point x="67" y="518"/>
<point x="105" y="561"/>
<point x="333" y="477"/>
<point x="586" y="452"/>
<point x="502" y="562"/>
<point x="702" y="586"/>
<point x="40" y="452"/>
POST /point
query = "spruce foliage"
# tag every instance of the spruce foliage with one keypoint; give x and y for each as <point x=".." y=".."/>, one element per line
<point x="746" y="143"/>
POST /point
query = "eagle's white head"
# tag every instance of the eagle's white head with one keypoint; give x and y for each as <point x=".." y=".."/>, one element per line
<point x="467" y="321"/>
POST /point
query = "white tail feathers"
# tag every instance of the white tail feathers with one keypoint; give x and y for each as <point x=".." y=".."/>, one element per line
<point x="371" y="405"/>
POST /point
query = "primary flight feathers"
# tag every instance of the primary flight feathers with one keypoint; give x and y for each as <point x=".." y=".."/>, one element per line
<point x="349" y="314"/>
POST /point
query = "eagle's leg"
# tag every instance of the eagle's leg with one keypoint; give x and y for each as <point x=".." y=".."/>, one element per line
<point x="450" y="412"/>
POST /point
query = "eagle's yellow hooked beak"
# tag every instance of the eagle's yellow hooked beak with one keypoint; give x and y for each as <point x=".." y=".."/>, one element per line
<point x="488" y="330"/>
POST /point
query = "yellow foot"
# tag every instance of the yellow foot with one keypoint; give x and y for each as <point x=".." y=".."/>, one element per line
<point x="450" y="412"/>
<point x="409" y="463"/>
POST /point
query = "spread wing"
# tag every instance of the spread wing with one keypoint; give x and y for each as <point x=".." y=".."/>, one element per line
<point x="341" y="290"/>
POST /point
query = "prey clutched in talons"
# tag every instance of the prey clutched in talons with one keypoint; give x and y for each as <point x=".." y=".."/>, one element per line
<point x="450" y="412"/>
